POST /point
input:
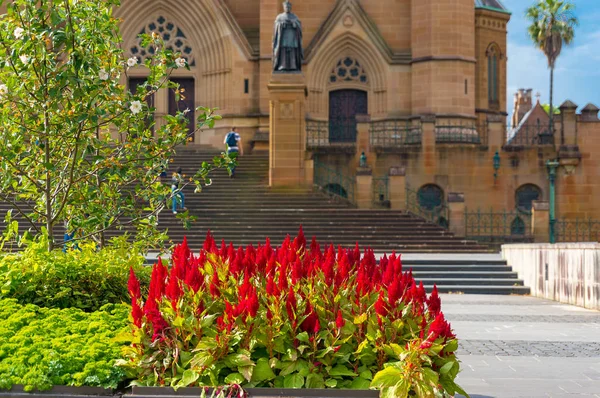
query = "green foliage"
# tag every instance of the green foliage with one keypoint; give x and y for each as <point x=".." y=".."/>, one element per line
<point x="86" y="279"/>
<point x="78" y="147"/>
<point x="552" y="24"/>
<point x="291" y="317"/>
<point x="41" y="347"/>
<point x="546" y="107"/>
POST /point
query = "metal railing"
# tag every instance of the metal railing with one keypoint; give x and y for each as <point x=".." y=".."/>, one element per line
<point x="437" y="213"/>
<point x="381" y="191"/>
<point x="530" y="135"/>
<point x="457" y="132"/>
<point x="498" y="226"/>
<point x="322" y="133"/>
<point x="334" y="182"/>
<point x="577" y="230"/>
<point x="394" y="133"/>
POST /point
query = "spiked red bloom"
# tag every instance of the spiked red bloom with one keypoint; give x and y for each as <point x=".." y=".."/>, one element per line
<point x="208" y="242"/>
<point x="291" y="303"/>
<point x="434" y="303"/>
<point x="339" y="321"/>
<point x="133" y="285"/>
<point x="215" y="285"/>
<point x="136" y="312"/>
<point x="252" y="304"/>
<point x="193" y="278"/>
<point x="300" y="240"/>
<point x="440" y="328"/>
<point x="311" y="322"/>
<point x="395" y="291"/>
<point x="381" y="307"/>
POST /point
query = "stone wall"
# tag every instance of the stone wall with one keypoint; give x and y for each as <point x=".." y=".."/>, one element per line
<point x="568" y="273"/>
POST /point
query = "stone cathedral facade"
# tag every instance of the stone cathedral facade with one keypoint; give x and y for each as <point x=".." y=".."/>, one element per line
<point x="417" y="89"/>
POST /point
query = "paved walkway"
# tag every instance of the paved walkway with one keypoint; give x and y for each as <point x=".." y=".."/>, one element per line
<point x="512" y="346"/>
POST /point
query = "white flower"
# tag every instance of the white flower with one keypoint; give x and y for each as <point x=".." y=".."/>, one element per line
<point x="103" y="75"/>
<point x="24" y="59"/>
<point x="132" y="61"/>
<point x="186" y="111"/>
<point x="3" y="90"/>
<point x="180" y="62"/>
<point x="136" y="107"/>
<point x="18" y="32"/>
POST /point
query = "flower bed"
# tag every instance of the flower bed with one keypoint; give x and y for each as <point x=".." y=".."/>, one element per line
<point x="289" y="317"/>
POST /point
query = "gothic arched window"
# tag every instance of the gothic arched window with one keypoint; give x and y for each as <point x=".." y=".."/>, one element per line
<point x="493" y="58"/>
<point x="348" y="70"/>
<point x="174" y="38"/>
<point x="525" y="196"/>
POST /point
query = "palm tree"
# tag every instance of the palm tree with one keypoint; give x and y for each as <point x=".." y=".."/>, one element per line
<point x="552" y="25"/>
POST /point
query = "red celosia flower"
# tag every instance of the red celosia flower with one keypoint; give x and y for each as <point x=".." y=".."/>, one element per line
<point x="133" y="285"/>
<point x="136" y="312"/>
<point x="300" y="240"/>
<point x="381" y="307"/>
<point x="290" y="304"/>
<point x="395" y="291"/>
<point x="193" y="278"/>
<point x="434" y="303"/>
<point x="339" y="321"/>
<point x="214" y="285"/>
<point x="311" y="322"/>
<point x="252" y="303"/>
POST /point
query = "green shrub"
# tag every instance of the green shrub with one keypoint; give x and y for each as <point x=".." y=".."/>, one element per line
<point x="86" y="279"/>
<point x="42" y="347"/>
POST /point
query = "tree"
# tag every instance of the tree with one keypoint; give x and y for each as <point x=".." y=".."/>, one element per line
<point x="552" y="25"/>
<point x="76" y="147"/>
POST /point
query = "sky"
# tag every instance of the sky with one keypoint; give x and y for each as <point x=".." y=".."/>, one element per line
<point x="577" y="72"/>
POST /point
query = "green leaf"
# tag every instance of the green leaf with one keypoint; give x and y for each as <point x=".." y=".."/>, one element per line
<point x="360" y="319"/>
<point x="315" y="380"/>
<point x="430" y="376"/>
<point x="189" y="377"/>
<point x="293" y="381"/>
<point x="387" y="377"/>
<point x="446" y="368"/>
<point x="262" y="371"/>
<point x="451" y="346"/>
<point x="240" y="360"/>
<point x="235" y="378"/>
<point x="331" y="383"/>
<point x="246" y="371"/>
<point x="360" y="384"/>
<point x="303" y="337"/>
<point x="341" y="370"/>
<point x="366" y="375"/>
<point x="287" y="368"/>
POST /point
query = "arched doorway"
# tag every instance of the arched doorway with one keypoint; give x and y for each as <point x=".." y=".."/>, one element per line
<point x="344" y="105"/>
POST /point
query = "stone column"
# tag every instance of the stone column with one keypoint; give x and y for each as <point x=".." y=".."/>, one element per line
<point x="364" y="188"/>
<point x="540" y="221"/>
<point x="456" y="207"/>
<point x="428" y="144"/>
<point x="363" y="143"/>
<point x="496" y="135"/>
<point x="568" y="153"/>
<point x="287" y="144"/>
<point x="568" y="119"/>
<point x="397" y="188"/>
<point x="309" y="170"/>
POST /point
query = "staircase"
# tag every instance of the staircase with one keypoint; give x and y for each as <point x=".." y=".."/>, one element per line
<point x="245" y="210"/>
<point x="476" y="276"/>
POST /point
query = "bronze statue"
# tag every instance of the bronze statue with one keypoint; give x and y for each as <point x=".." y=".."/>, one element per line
<point x="287" y="42"/>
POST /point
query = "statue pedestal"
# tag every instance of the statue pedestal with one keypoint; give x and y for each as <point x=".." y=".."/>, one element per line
<point x="287" y="141"/>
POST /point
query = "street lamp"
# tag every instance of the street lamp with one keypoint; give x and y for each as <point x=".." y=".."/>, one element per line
<point x="496" y="165"/>
<point x="552" y="166"/>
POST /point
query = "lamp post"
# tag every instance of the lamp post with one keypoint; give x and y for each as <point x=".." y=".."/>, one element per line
<point x="552" y="166"/>
<point x="496" y="166"/>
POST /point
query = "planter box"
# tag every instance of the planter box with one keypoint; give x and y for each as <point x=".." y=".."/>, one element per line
<point x="165" y="392"/>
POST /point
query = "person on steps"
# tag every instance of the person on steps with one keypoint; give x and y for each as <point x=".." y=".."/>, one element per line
<point x="176" y="189"/>
<point x="233" y="143"/>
